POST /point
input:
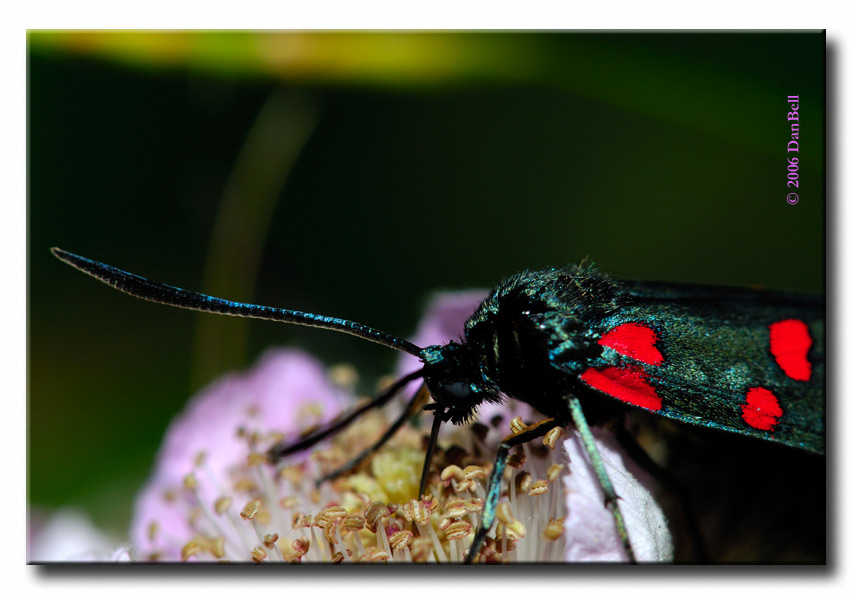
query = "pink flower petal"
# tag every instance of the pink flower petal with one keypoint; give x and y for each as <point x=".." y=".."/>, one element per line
<point x="285" y="391"/>
<point x="589" y="527"/>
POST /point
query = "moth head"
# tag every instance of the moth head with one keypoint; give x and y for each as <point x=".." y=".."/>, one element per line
<point x="455" y="382"/>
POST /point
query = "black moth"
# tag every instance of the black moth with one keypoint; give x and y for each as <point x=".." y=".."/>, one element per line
<point x="570" y="340"/>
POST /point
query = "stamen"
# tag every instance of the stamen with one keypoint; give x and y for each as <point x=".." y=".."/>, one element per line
<point x="366" y="521"/>
<point x="259" y="554"/>
<point x="551" y="438"/>
<point x="400" y="539"/>
<point x="250" y="511"/>
<point x="537" y="488"/>
<point x="222" y="504"/>
<point x="457" y="530"/>
<point x="554" y="529"/>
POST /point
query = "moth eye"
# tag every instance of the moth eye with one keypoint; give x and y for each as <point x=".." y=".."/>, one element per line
<point x="458" y="389"/>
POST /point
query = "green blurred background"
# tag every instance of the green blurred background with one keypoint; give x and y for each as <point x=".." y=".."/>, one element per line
<point x="353" y="174"/>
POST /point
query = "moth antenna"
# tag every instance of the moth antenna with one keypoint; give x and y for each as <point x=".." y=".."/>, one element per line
<point x="183" y="298"/>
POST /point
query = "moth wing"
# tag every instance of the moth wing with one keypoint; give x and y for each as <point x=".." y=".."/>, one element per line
<point x="741" y="360"/>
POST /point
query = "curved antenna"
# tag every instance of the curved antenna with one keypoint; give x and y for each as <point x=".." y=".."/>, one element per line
<point x="182" y="298"/>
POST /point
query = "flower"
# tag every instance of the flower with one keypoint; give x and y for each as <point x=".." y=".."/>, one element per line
<point x="214" y="496"/>
<point x="207" y="451"/>
<point x="590" y="527"/>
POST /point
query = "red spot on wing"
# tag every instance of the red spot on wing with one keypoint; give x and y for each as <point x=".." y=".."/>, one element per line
<point x="761" y="410"/>
<point x="789" y="343"/>
<point x="634" y="340"/>
<point x="626" y="384"/>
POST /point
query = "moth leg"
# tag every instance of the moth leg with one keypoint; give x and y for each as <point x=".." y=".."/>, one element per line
<point x="283" y="449"/>
<point x="415" y="403"/>
<point x="611" y="500"/>
<point x="493" y="489"/>
<point x="437" y="420"/>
